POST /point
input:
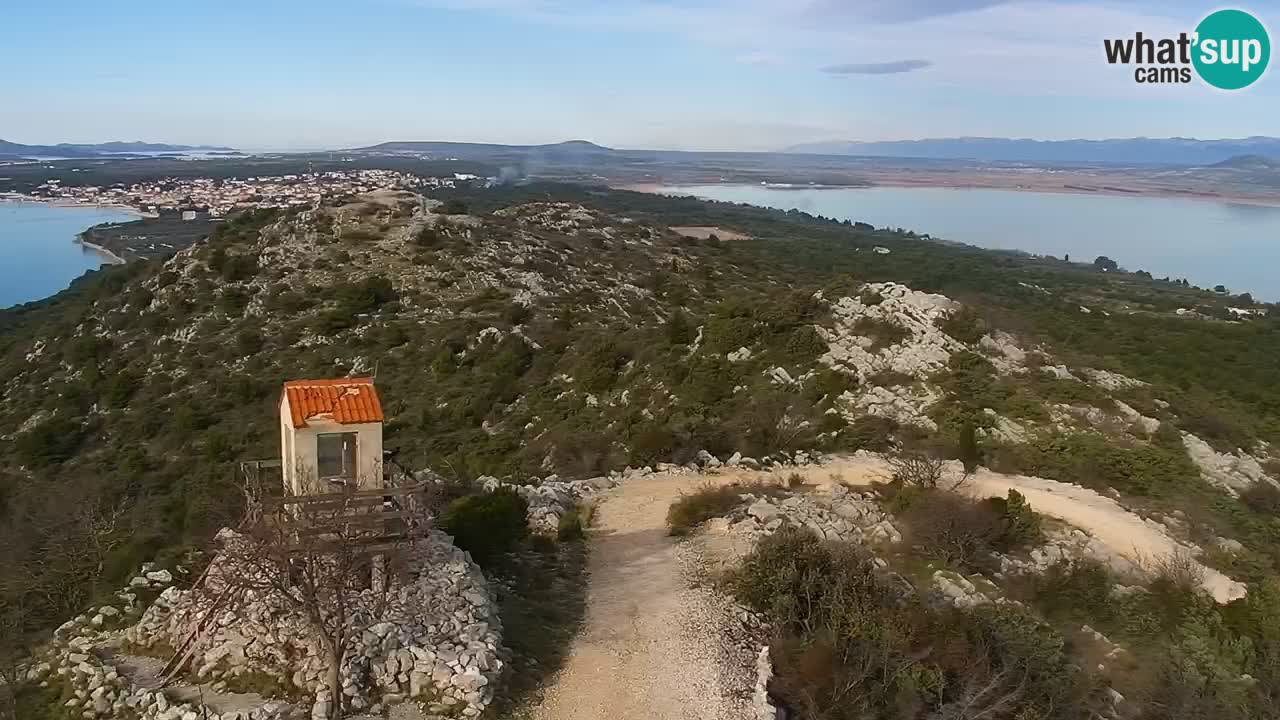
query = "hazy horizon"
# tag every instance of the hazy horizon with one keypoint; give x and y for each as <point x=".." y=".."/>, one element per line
<point x="755" y="75"/>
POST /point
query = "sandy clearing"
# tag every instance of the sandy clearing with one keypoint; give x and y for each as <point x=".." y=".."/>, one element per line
<point x="702" y="232"/>
<point x="1123" y="532"/>
<point x="649" y="649"/>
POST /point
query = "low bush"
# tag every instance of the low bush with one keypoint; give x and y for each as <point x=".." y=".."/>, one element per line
<point x="873" y="433"/>
<point x="917" y="469"/>
<point x="883" y="333"/>
<point x="889" y="378"/>
<point x="1021" y="524"/>
<point x="695" y="508"/>
<point x="1262" y="497"/>
<point x="850" y="647"/>
<point x="488" y="525"/>
<point x="963" y="325"/>
<point x="951" y="528"/>
<point x="572" y="525"/>
<point x="961" y="531"/>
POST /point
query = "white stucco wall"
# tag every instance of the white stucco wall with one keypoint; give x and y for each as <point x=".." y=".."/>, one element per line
<point x="298" y="452"/>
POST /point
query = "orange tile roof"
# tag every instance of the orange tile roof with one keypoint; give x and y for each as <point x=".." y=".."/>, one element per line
<point x="346" y="400"/>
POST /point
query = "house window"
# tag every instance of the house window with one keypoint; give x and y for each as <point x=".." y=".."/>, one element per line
<point x="336" y="456"/>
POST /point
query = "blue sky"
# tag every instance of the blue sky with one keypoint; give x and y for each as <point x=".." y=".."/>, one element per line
<point x="697" y="74"/>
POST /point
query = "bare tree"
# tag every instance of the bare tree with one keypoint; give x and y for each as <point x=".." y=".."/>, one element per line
<point x="331" y="560"/>
<point x="924" y="471"/>
<point x="917" y="469"/>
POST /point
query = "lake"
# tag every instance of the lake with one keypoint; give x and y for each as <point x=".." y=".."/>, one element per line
<point x="38" y="252"/>
<point x="1209" y="243"/>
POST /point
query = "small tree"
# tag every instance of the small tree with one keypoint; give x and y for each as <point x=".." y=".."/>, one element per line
<point x="1105" y="264"/>
<point x="332" y="560"/>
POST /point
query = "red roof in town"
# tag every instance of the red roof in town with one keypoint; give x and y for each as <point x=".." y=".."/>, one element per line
<point x="346" y="400"/>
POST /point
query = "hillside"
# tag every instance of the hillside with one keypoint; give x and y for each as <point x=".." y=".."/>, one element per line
<point x="546" y="329"/>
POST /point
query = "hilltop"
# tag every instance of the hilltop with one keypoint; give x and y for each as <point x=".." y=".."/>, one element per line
<point x="1249" y="162"/>
<point x="521" y="333"/>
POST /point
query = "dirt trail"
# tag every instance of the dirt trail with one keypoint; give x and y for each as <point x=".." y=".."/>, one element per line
<point x="1125" y="533"/>
<point x="650" y="648"/>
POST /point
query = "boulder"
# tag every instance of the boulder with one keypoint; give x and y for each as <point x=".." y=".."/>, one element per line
<point x="763" y="511"/>
<point x="706" y="459"/>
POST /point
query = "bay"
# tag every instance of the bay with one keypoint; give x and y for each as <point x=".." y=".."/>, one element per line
<point x="1207" y="242"/>
<point x="38" y="252"/>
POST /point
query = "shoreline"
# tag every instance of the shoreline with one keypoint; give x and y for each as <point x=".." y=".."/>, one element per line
<point x="1115" y="191"/>
<point x="18" y="198"/>
<point x="110" y="257"/>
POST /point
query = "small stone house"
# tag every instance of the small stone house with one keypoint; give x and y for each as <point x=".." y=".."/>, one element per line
<point x="330" y="436"/>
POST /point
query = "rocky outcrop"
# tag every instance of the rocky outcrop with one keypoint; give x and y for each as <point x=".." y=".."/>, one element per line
<point x="840" y="515"/>
<point x="958" y="590"/>
<point x="435" y="639"/>
<point x="1233" y="472"/>
<point x="925" y="349"/>
<point x="550" y="499"/>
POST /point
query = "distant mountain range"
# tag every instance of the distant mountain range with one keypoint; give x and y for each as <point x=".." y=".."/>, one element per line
<point x="577" y="150"/>
<point x="87" y="150"/>
<point x="1123" y="151"/>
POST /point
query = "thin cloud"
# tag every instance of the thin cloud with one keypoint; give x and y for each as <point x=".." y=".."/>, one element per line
<point x="884" y="68"/>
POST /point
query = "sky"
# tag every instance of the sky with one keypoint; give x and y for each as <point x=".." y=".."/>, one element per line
<point x="694" y="75"/>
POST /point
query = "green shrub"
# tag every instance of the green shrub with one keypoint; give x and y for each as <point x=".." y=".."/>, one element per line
<point x="453" y="206"/>
<point x="360" y="235"/>
<point x="850" y="647"/>
<point x="695" y="508"/>
<point x="599" y="363"/>
<point x="679" y="328"/>
<point x="487" y="525"/>
<point x="517" y="314"/>
<point x="428" y="237"/>
<point x="828" y="383"/>
<point x="873" y="433"/>
<point x="963" y="325"/>
<point x="1020" y="524"/>
<point x="50" y="442"/>
<point x="571" y="527"/>
<point x="249" y="342"/>
<point x="805" y="345"/>
<point x="889" y="378"/>
<point x="1262" y="497"/>
<point x="366" y="295"/>
<point x="883" y="333"/>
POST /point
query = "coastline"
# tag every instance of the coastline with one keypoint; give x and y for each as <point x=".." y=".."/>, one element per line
<point x="110" y="257"/>
<point x="1070" y="189"/>
<point x="64" y="203"/>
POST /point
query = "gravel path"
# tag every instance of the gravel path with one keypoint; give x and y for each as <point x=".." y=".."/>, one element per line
<point x="653" y="646"/>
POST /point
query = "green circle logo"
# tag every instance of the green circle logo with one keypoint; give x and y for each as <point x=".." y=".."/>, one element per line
<point x="1232" y="49"/>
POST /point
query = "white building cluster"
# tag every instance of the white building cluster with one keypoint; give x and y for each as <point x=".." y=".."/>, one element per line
<point x="221" y="196"/>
